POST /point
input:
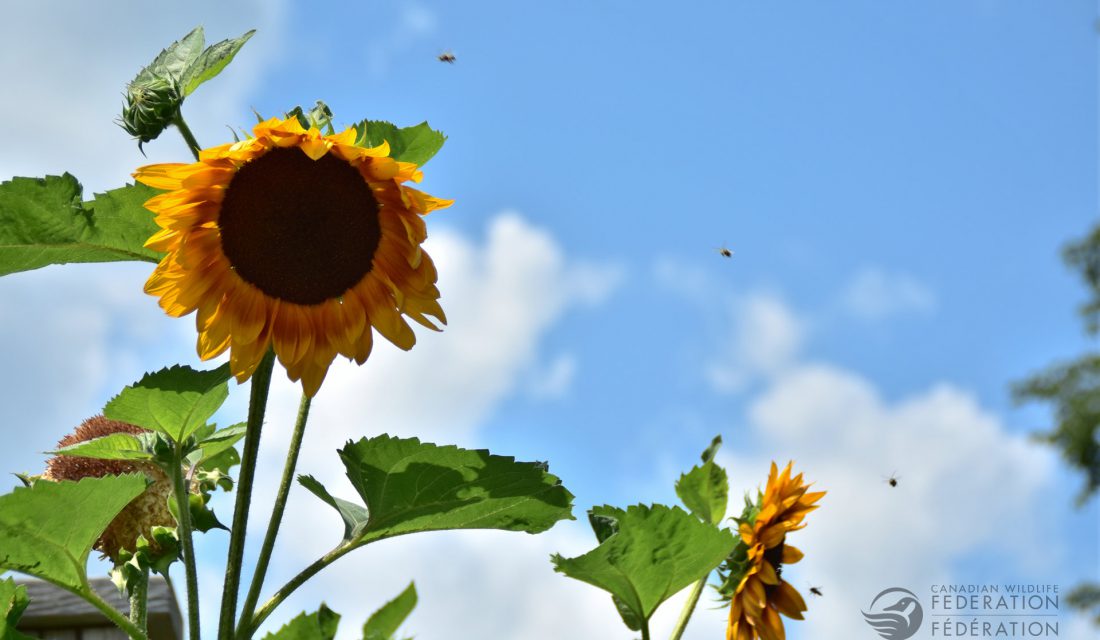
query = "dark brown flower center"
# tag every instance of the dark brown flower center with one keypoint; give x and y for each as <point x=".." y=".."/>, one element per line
<point x="300" y="230"/>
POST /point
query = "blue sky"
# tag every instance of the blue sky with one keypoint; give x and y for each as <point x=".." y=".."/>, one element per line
<point x="895" y="180"/>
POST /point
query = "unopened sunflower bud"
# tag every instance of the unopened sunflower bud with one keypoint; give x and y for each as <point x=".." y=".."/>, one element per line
<point x="148" y="510"/>
<point x="150" y="107"/>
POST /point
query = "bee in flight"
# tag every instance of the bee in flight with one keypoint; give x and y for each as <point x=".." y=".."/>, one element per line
<point x="816" y="591"/>
<point x="724" y="252"/>
<point x="893" y="479"/>
<point x="447" y="57"/>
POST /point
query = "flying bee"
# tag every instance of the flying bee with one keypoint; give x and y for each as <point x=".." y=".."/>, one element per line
<point x="816" y="591"/>
<point x="893" y="479"/>
<point x="724" y="251"/>
<point x="447" y="56"/>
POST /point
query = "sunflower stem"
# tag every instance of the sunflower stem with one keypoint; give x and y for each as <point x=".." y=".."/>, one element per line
<point x="645" y="629"/>
<point x="284" y="592"/>
<point x="276" y="515"/>
<point x="109" y="612"/>
<point x="139" y="600"/>
<point x="183" y="511"/>
<point x="689" y="608"/>
<point x="261" y="383"/>
<point x="188" y="137"/>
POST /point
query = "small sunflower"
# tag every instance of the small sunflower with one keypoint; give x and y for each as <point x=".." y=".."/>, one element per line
<point x="148" y="510"/>
<point x="293" y="241"/>
<point x="761" y="594"/>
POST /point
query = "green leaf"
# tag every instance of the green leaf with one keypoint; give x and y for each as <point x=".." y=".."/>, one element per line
<point x="116" y="446"/>
<point x="383" y="623"/>
<point x="416" y="144"/>
<point x="173" y="62"/>
<point x="410" y="486"/>
<point x="705" y="489"/>
<point x="355" y="517"/>
<point x="48" y="530"/>
<point x="202" y="517"/>
<point x="43" y="222"/>
<point x="654" y="553"/>
<point x="217" y="443"/>
<point x="605" y="523"/>
<point x="175" y="401"/>
<point x="320" y="625"/>
<point x="13" y="601"/>
<point x="211" y="62"/>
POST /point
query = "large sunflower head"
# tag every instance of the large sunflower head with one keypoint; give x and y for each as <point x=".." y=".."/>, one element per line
<point x="753" y="574"/>
<point x="293" y="241"/>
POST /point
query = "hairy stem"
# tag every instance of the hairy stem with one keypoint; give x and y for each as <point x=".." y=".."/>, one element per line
<point x="112" y="614"/>
<point x="689" y="608"/>
<point x="139" y="601"/>
<point x="183" y="509"/>
<point x="261" y="383"/>
<point x="188" y="137"/>
<point x="276" y="515"/>
<point x="264" y="611"/>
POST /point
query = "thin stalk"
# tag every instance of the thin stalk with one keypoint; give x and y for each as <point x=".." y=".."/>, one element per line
<point x="645" y="629"/>
<point x="689" y="608"/>
<point x="139" y="600"/>
<point x="264" y="611"/>
<point x="276" y="514"/>
<point x="257" y="405"/>
<point x="183" y="508"/>
<point x="188" y="137"/>
<point x="112" y="614"/>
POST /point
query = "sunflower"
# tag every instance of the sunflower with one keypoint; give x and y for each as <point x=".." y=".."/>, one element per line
<point x="293" y="241"/>
<point x="761" y="594"/>
<point x="148" y="510"/>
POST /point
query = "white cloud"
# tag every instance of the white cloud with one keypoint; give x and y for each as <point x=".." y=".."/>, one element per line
<point x="500" y="298"/>
<point x="967" y="485"/>
<point x="874" y="294"/>
<point x="764" y="338"/>
<point x="64" y="77"/>
<point x="554" y="379"/>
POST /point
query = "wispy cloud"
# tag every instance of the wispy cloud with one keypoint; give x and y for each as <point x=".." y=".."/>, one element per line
<point x="874" y="294"/>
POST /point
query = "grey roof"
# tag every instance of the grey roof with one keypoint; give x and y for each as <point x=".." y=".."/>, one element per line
<point x="54" y="608"/>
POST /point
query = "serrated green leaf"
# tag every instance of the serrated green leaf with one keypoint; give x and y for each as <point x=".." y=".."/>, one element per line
<point x="174" y="401"/>
<point x="174" y="61"/>
<point x="410" y="486"/>
<point x="116" y="446"/>
<point x="712" y="449"/>
<point x="202" y="517"/>
<point x="320" y="625"/>
<point x="43" y="222"/>
<point x="13" y="601"/>
<point x="217" y="443"/>
<point x="656" y="552"/>
<point x="211" y="62"/>
<point x="354" y="516"/>
<point x="604" y="520"/>
<point x="416" y="144"/>
<point x="48" y="530"/>
<point x="705" y="491"/>
<point x="383" y="623"/>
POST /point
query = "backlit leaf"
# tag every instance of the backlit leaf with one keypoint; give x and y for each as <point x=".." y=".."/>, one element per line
<point x="44" y="222"/>
<point x="48" y="530"/>
<point x="653" y="553"/>
<point x="175" y="401"/>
